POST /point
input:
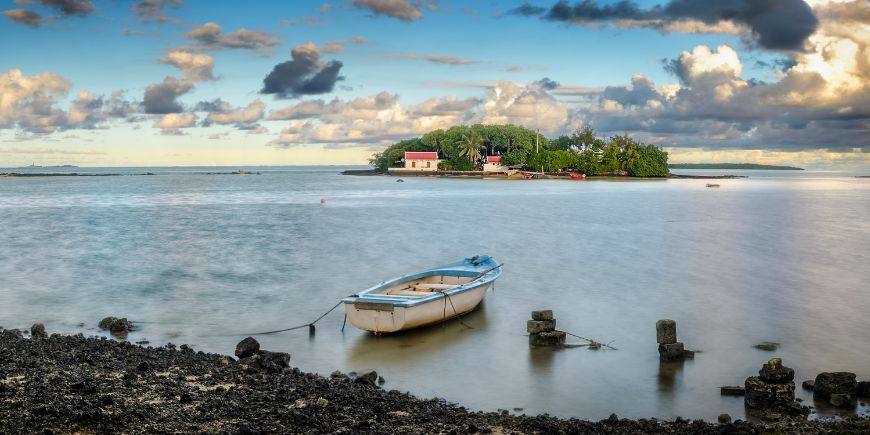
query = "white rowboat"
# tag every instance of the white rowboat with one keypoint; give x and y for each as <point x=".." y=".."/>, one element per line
<point x="423" y="298"/>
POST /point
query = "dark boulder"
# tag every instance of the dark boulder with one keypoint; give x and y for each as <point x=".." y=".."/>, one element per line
<point x="863" y="389"/>
<point x="724" y="418"/>
<point x="38" y="331"/>
<point x="776" y="373"/>
<point x="840" y="400"/>
<point x="767" y="345"/>
<point x="270" y="362"/>
<point x="732" y="390"/>
<point x="809" y="384"/>
<point x="338" y="375"/>
<point x="829" y="383"/>
<point x="116" y="326"/>
<point x="247" y="348"/>
<point x="367" y="378"/>
<point x="761" y="394"/>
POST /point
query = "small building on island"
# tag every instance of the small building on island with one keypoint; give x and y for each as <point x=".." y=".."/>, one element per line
<point x="419" y="161"/>
<point x="493" y="164"/>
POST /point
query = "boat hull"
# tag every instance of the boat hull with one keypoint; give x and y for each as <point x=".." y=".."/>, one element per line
<point x="424" y="298"/>
<point x="388" y="318"/>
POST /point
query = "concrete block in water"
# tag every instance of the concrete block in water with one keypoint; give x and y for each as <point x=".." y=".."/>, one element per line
<point x="671" y="352"/>
<point x="538" y="326"/>
<point x="731" y="390"/>
<point x="761" y="394"/>
<point x="666" y="331"/>
<point x="829" y="383"/>
<point x="776" y="373"/>
<point x="551" y="338"/>
<point x="542" y="315"/>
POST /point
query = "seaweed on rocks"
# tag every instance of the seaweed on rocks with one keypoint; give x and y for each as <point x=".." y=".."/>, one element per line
<point x="73" y="384"/>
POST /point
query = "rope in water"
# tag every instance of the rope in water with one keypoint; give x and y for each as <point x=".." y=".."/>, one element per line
<point x="309" y="325"/>
<point x="607" y="345"/>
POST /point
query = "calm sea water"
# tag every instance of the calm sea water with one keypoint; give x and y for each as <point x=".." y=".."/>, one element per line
<point x="205" y="259"/>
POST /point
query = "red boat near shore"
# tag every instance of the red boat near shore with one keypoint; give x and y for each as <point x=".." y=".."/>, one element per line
<point x="577" y="176"/>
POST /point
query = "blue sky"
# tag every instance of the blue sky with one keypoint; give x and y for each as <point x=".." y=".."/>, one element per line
<point x="729" y="92"/>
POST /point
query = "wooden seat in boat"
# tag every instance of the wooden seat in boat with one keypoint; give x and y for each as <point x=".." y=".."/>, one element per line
<point x="425" y="286"/>
<point x="411" y="293"/>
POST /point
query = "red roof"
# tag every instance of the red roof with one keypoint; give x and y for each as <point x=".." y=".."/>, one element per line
<point x="493" y="159"/>
<point x="419" y="155"/>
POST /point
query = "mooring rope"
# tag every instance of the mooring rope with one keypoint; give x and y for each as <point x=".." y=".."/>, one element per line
<point x="309" y="325"/>
<point x="607" y="345"/>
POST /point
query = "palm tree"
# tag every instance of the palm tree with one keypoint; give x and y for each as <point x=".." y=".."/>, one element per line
<point x="469" y="146"/>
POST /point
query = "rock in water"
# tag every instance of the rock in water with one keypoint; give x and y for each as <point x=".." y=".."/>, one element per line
<point x="761" y="394"/>
<point x="809" y="384"/>
<point x="829" y="383"/>
<point x="247" y="348"/>
<point x="732" y="390"/>
<point x="106" y="323"/>
<point x="38" y="331"/>
<point x="538" y="326"/>
<point x="671" y="352"/>
<point x="840" y="400"/>
<point x="542" y="315"/>
<point x="724" y="418"/>
<point x="775" y="372"/>
<point x="767" y="345"/>
<point x="367" y="378"/>
<point x="863" y="389"/>
<point x="116" y="326"/>
<point x="666" y="331"/>
<point x="551" y="338"/>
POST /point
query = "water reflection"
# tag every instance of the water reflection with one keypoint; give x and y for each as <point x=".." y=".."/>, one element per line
<point x="409" y="347"/>
<point x="670" y="375"/>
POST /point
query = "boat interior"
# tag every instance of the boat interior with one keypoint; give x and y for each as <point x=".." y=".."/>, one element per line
<point x="425" y="286"/>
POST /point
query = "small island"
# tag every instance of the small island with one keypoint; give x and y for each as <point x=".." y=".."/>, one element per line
<point x="733" y="166"/>
<point x="510" y="150"/>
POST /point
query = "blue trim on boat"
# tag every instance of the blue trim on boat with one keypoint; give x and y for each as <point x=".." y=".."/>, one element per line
<point x="468" y="267"/>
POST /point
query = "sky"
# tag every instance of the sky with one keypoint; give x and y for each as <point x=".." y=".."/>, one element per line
<point x="185" y="82"/>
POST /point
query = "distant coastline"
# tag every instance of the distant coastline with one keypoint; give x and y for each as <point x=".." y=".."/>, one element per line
<point x="732" y="166"/>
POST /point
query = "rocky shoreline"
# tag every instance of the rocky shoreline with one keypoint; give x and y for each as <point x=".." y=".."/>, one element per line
<point x="75" y="384"/>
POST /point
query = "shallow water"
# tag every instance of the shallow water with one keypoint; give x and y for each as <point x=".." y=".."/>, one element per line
<point x="205" y="259"/>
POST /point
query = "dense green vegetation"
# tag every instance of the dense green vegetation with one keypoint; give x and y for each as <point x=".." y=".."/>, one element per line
<point x="732" y="166"/>
<point x="462" y="148"/>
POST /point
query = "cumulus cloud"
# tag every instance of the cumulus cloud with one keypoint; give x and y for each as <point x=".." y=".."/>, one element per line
<point x="242" y="118"/>
<point x="400" y="9"/>
<point x="160" y="98"/>
<point x="773" y="24"/>
<point x="196" y="67"/>
<point x="23" y="16"/>
<point x="209" y="36"/>
<point x="29" y="103"/>
<point x="304" y="74"/>
<point x="434" y="58"/>
<point x="171" y="123"/>
<point x="153" y="10"/>
<point x="70" y="7"/>
<point x="381" y="118"/>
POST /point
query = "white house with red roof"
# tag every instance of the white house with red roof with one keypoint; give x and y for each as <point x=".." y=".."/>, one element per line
<point x="493" y="164"/>
<point x="419" y="161"/>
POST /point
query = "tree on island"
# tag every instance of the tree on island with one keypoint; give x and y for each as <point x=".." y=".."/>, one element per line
<point x="459" y="149"/>
<point x="469" y="147"/>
